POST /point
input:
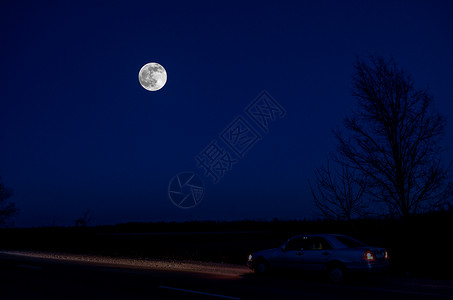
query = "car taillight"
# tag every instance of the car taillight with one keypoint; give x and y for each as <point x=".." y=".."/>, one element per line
<point x="386" y="255"/>
<point x="368" y="255"/>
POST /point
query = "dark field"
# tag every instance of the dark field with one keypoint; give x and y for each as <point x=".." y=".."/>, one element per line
<point x="417" y="246"/>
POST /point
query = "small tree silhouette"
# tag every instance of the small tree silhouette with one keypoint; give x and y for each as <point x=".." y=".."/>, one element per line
<point x="7" y="209"/>
<point x="338" y="191"/>
<point x="84" y="220"/>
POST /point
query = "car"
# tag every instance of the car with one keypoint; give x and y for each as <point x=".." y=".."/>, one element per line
<point x="334" y="254"/>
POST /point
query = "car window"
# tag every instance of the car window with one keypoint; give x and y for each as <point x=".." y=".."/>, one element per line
<point x="297" y="244"/>
<point x="318" y="243"/>
<point x="350" y="242"/>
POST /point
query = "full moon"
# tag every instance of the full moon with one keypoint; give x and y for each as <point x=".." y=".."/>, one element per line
<point x="152" y="76"/>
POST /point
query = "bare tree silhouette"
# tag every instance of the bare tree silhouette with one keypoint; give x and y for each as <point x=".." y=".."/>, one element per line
<point x="338" y="191"/>
<point x="394" y="139"/>
<point x="7" y="209"/>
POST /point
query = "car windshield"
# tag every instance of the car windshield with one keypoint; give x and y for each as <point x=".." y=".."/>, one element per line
<point x="350" y="242"/>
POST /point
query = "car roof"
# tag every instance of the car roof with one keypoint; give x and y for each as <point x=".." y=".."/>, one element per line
<point x="320" y="235"/>
<point x="330" y="237"/>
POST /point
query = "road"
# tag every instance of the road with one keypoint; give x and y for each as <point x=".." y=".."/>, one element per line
<point x="25" y="276"/>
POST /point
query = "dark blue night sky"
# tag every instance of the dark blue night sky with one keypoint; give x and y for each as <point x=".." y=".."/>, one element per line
<point x="78" y="132"/>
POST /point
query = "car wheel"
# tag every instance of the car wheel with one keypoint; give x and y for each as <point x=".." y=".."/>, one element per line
<point x="336" y="273"/>
<point x="261" y="267"/>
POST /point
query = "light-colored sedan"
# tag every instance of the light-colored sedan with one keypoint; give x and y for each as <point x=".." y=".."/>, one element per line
<point x="332" y="253"/>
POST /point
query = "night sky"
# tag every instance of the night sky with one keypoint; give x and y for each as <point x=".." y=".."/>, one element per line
<point x="78" y="132"/>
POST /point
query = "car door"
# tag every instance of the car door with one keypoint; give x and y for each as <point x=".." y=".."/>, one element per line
<point x="316" y="254"/>
<point x="291" y="253"/>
